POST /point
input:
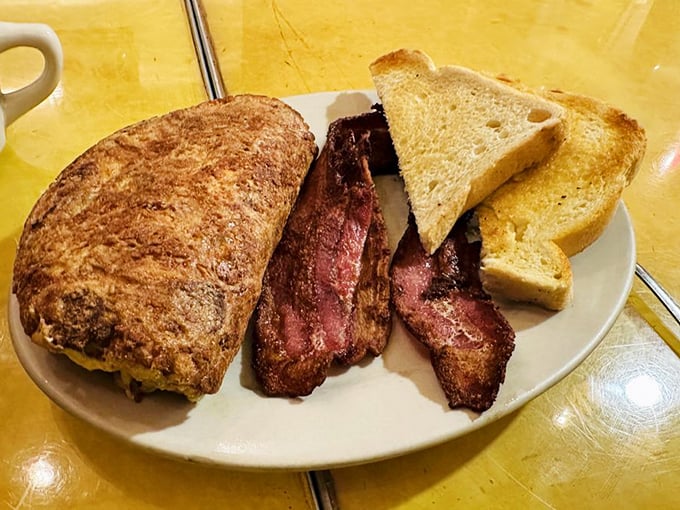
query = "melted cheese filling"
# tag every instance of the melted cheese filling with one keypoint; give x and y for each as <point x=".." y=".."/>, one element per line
<point x="145" y="380"/>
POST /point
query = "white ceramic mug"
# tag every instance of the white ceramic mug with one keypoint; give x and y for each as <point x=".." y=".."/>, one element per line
<point x="41" y="37"/>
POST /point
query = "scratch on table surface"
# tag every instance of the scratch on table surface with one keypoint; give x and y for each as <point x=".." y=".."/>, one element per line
<point x="669" y="465"/>
<point x="523" y="486"/>
<point x="630" y="345"/>
<point x="609" y="483"/>
<point x="582" y="423"/>
<point x="282" y="22"/>
<point x="27" y="492"/>
<point x="611" y="475"/>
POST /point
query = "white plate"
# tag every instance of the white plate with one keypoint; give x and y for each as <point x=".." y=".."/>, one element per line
<point x="382" y="408"/>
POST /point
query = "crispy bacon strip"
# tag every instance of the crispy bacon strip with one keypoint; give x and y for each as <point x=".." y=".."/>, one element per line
<point x="441" y="301"/>
<point x="326" y="290"/>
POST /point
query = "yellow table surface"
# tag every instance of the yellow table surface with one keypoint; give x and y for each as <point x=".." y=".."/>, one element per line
<point x="607" y="435"/>
<point x="124" y="60"/>
<point x="604" y="437"/>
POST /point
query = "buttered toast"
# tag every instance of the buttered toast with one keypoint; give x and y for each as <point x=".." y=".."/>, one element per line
<point x="458" y="135"/>
<point x="542" y="216"/>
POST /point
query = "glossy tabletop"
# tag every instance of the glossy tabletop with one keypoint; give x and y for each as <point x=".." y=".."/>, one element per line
<point x="124" y="60"/>
<point x="604" y="437"/>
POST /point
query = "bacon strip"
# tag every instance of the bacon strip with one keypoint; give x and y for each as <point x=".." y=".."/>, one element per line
<point x="441" y="301"/>
<point x="326" y="290"/>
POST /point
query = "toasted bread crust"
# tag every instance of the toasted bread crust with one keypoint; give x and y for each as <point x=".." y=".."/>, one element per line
<point x="146" y="255"/>
<point x="458" y="134"/>
<point x="533" y="223"/>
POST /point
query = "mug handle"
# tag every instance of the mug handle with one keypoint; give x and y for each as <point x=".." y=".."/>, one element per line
<point x="45" y="40"/>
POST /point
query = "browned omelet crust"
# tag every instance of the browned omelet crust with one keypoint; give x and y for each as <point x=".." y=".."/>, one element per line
<point x="146" y="255"/>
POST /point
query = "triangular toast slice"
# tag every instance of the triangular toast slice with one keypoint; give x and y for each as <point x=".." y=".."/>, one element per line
<point x="534" y="222"/>
<point x="458" y="135"/>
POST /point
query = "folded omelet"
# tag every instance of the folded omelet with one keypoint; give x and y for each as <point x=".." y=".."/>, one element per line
<point x="145" y="256"/>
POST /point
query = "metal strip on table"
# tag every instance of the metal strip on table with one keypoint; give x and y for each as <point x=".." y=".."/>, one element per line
<point x="661" y="294"/>
<point x="320" y="482"/>
<point x="323" y="489"/>
<point x="212" y="77"/>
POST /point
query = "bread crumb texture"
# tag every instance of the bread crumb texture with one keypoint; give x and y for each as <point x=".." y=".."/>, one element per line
<point x="545" y="214"/>
<point x="458" y="135"/>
